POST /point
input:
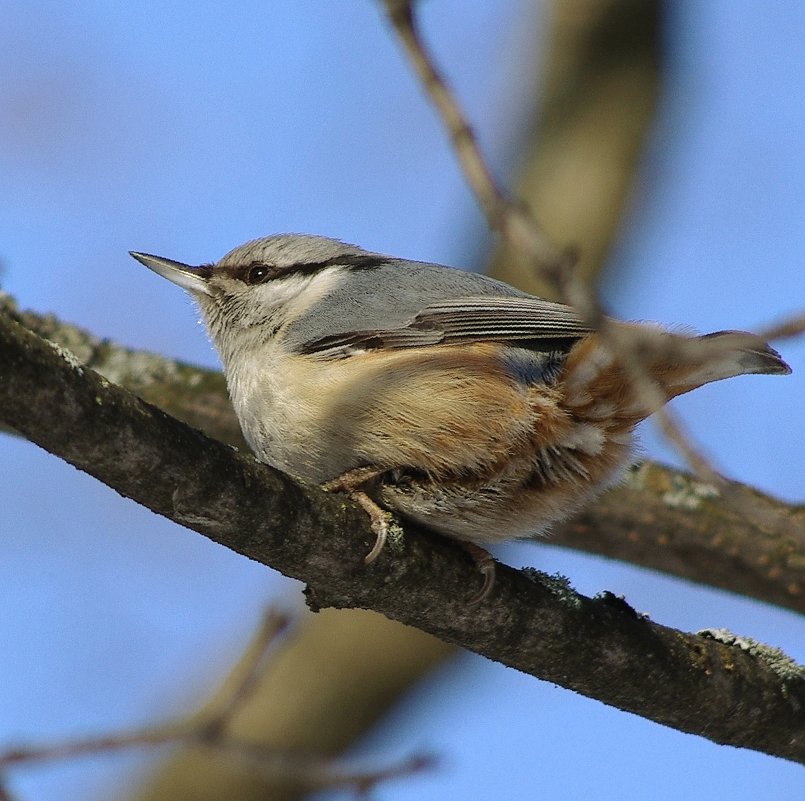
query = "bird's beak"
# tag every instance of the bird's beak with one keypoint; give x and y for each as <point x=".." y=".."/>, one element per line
<point x="187" y="277"/>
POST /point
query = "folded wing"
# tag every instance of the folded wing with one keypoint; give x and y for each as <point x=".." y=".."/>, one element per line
<point x="532" y="321"/>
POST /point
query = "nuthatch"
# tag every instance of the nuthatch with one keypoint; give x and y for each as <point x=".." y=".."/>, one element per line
<point x="455" y="400"/>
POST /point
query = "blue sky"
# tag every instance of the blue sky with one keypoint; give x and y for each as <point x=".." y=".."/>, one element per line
<point x="185" y="131"/>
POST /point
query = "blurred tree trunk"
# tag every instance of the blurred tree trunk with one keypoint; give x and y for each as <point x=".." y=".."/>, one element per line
<point x="596" y="94"/>
<point x="598" y="87"/>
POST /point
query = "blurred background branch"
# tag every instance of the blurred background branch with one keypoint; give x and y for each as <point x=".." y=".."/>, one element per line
<point x="596" y="94"/>
<point x="211" y="734"/>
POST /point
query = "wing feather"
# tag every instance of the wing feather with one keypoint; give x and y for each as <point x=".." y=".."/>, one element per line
<point x="468" y="319"/>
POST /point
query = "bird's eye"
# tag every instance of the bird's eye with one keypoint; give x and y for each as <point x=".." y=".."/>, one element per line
<point x="257" y="274"/>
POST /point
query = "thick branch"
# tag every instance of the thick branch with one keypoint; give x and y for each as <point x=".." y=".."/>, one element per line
<point x="193" y="395"/>
<point x="598" y="647"/>
<point x="660" y="518"/>
<point x="735" y="538"/>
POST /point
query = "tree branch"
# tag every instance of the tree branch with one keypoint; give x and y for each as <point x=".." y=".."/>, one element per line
<point x="192" y="394"/>
<point x="532" y="622"/>
<point x="658" y="518"/>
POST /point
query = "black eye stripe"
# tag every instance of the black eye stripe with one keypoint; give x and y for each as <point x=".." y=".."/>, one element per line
<point x="354" y="261"/>
<point x="252" y="273"/>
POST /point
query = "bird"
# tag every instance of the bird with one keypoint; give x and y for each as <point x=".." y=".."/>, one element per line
<point x="444" y="396"/>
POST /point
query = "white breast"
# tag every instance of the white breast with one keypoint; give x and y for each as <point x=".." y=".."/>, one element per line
<point x="280" y="398"/>
<point x="283" y="408"/>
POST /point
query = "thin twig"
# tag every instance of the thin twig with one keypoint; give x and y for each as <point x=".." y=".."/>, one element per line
<point x="210" y="731"/>
<point x="626" y="345"/>
<point x="317" y="774"/>
<point x="314" y="772"/>
<point x="514" y="220"/>
<point x="95" y="745"/>
<point x="273" y="625"/>
<point x="792" y="327"/>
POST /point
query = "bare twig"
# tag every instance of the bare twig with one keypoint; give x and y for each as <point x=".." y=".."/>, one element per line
<point x="95" y="745"/>
<point x="626" y="344"/>
<point x="556" y="266"/>
<point x="513" y="220"/>
<point x="211" y="731"/>
<point x="274" y="624"/>
<point x="319" y="774"/>
<point x="316" y="773"/>
<point x="792" y="327"/>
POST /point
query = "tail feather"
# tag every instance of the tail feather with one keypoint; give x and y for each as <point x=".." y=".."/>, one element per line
<point x="746" y="354"/>
<point x="597" y="385"/>
<point x="725" y="354"/>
